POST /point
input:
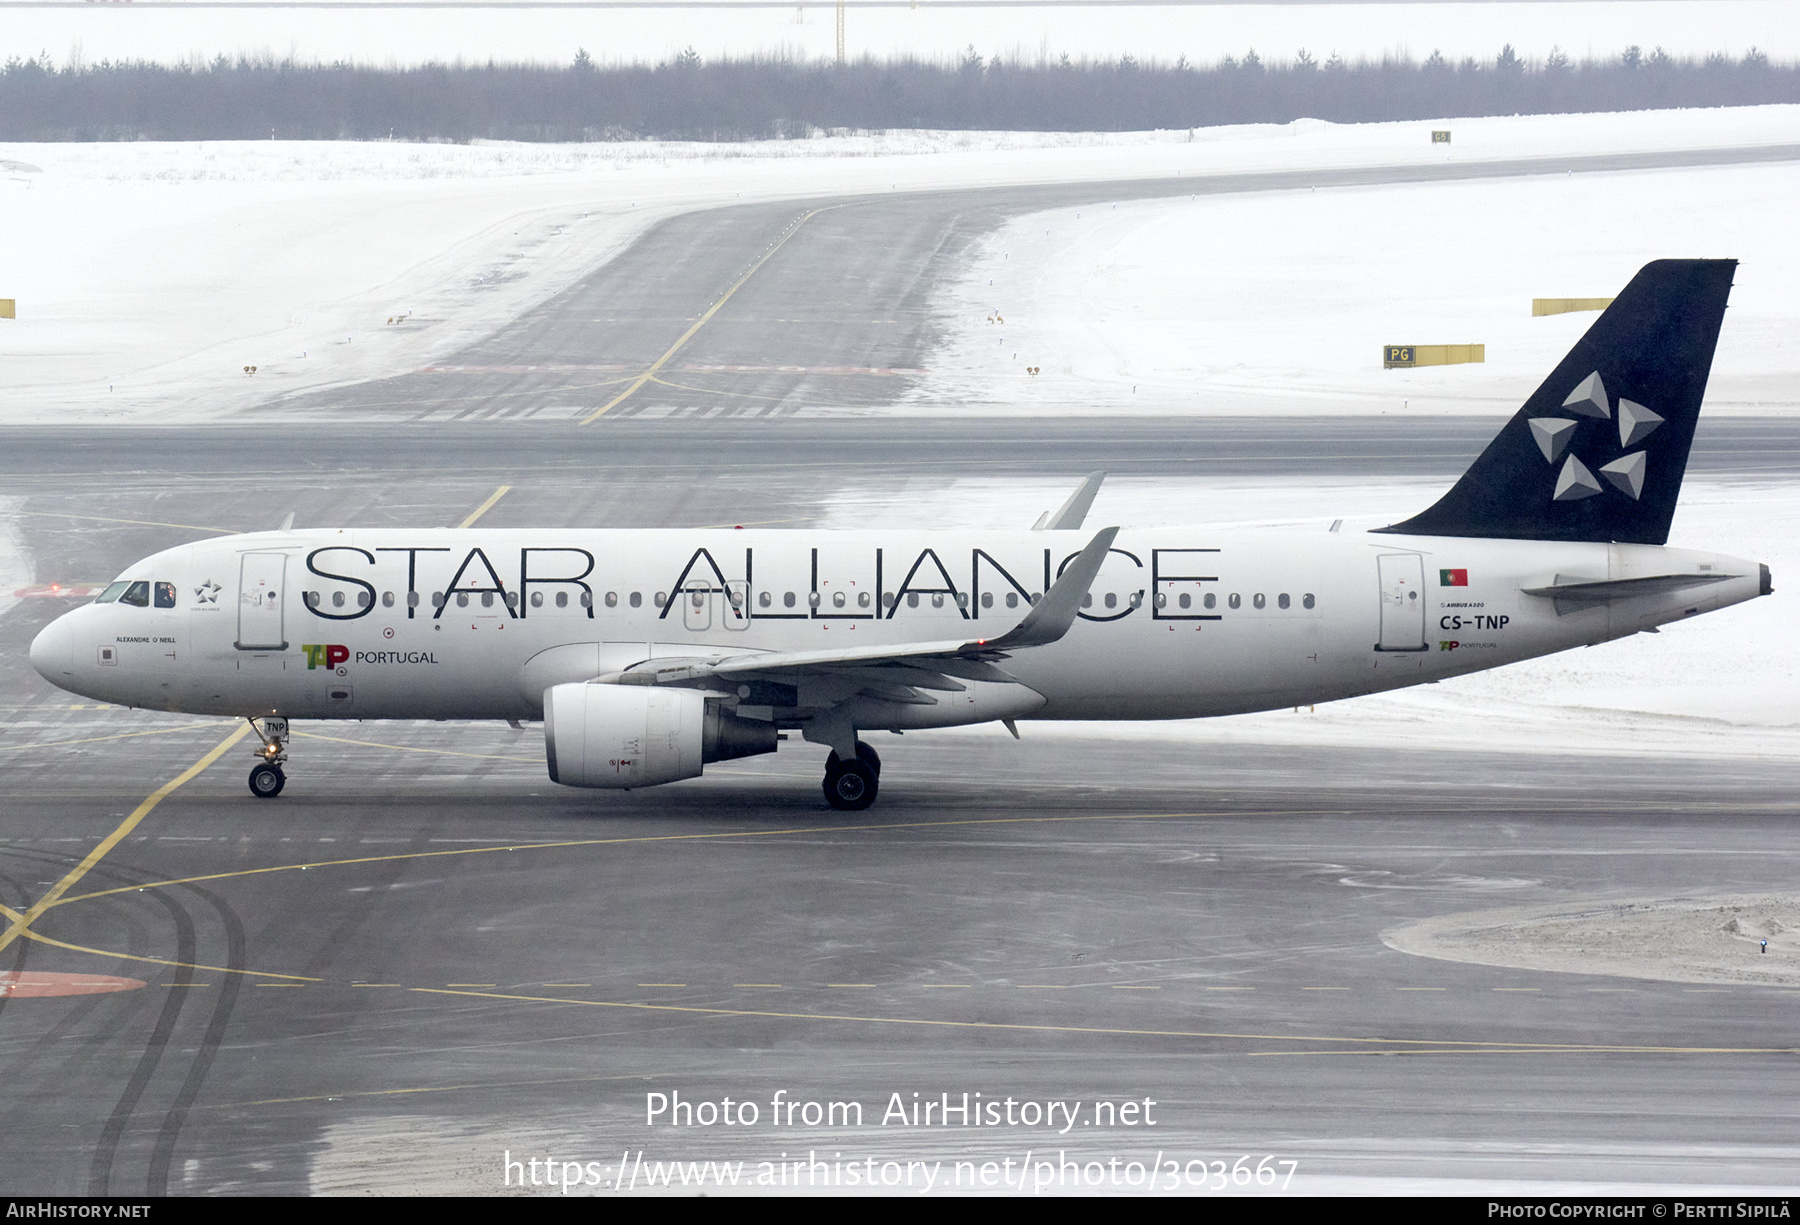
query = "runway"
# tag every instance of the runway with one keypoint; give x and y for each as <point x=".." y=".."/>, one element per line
<point x="426" y="960"/>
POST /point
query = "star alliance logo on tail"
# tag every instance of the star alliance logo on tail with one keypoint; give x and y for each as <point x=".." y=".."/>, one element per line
<point x="1553" y="434"/>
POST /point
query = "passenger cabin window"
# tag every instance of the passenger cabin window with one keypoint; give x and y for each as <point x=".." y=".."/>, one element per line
<point x="1012" y="599"/>
<point x="637" y="599"/>
<point x="387" y="599"/>
<point x="1306" y="601"/>
<point x="1282" y="600"/>
<point x="787" y="600"/>
<point x="1258" y="600"/>
<point x="762" y="599"/>
<point x="612" y="599"/>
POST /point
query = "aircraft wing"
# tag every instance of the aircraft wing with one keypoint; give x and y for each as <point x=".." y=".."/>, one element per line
<point x="929" y="665"/>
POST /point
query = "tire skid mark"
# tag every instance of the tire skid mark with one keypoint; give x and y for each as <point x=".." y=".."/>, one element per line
<point x="163" y="1154"/>
<point x="106" y="1151"/>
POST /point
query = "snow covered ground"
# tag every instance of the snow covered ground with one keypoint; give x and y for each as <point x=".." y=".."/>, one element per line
<point x="1282" y="302"/>
<point x="1203" y="32"/>
<point x="148" y="276"/>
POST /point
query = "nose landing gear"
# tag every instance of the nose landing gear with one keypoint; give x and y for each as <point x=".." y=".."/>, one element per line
<point x="266" y="777"/>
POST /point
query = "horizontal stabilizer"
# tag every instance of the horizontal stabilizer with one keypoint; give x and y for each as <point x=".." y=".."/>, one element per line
<point x="1575" y="594"/>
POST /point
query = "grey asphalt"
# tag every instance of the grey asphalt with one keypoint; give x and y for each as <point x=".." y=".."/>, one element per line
<point x="425" y="956"/>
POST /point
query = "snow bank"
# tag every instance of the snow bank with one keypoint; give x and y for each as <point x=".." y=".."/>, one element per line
<point x="1282" y="302"/>
<point x="150" y="275"/>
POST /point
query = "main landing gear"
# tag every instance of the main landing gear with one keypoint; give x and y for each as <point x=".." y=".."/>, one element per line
<point x="266" y="778"/>
<point x="850" y="786"/>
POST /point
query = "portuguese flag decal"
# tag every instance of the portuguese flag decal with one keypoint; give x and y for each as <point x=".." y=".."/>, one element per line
<point x="1453" y="578"/>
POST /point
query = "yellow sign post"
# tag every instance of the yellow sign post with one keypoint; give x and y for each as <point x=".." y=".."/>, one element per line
<point x="1398" y="357"/>
<point x="1562" y="306"/>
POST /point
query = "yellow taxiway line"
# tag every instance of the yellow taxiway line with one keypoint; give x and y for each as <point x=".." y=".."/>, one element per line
<point x="484" y="507"/>
<point x="702" y="321"/>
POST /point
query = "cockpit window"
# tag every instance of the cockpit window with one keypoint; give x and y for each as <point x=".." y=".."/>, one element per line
<point x="113" y="592"/>
<point x="165" y="595"/>
<point x="137" y="595"/>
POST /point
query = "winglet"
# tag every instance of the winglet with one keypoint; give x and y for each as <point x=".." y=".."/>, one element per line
<point x="1069" y="515"/>
<point x="1051" y="617"/>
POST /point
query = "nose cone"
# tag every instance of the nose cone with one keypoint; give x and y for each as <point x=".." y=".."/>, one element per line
<point x="53" y="652"/>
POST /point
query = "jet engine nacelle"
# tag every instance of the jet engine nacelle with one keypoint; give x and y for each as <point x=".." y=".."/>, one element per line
<point x="622" y="736"/>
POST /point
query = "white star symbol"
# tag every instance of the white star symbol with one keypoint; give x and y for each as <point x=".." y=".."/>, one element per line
<point x="208" y="592"/>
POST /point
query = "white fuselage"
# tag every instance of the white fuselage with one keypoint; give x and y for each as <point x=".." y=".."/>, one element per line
<point x="476" y="624"/>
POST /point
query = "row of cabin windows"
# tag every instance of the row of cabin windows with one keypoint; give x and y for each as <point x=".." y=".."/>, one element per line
<point x="139" y="593"/>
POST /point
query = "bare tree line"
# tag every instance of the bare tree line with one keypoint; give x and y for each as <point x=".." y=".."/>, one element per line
<point x="761" y="97"/>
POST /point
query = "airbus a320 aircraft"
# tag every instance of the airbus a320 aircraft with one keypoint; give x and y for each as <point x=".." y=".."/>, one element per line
<point x="648" y="654"/>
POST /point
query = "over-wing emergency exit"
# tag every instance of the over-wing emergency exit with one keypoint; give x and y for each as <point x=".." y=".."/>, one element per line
<point x="648" y="654"/>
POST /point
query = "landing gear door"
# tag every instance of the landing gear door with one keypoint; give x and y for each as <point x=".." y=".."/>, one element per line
<point x="261" y="598"/>
<point x="1402" y="602"/>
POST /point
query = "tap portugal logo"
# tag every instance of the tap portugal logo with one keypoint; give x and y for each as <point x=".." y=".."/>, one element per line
<point x="324" y="655"/>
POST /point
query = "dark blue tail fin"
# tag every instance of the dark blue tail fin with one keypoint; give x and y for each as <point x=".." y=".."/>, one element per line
<point x="1599" y="450"/>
